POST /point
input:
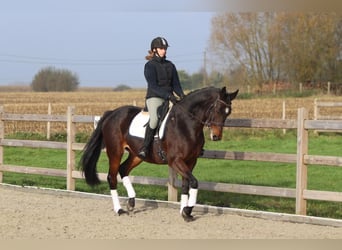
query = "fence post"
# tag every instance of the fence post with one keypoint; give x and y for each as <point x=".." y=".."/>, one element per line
<point x="316" y="110"/>
<point x="71" y="128"/>
<point x="171" y="187"/>
<point x="302" y="172"/>
<point x="48" y="125"/>
<point x="284" y="115"/>
<point x="2" y="136"/>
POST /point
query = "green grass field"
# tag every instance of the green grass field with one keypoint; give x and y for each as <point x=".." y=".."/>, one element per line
<point x="226" y="171"/>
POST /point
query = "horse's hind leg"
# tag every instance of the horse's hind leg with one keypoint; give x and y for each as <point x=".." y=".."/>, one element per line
<point x="114" y="163"/>
<point x="125" y="168"/>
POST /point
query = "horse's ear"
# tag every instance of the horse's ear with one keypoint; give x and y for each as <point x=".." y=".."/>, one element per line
<point x="233" y="95"/>
<point x="223" y="90"/>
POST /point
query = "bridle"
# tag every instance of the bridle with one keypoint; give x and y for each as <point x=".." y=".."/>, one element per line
<point x="211" y="111"/>
<point x="209" y="121"/>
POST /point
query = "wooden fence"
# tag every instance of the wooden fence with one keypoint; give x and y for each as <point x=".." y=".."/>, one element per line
<point x="301" y="194"/>
<point x="318" y="105"/>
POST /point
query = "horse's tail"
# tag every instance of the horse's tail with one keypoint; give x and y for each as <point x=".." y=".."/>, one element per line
<point x="91" y="153"/>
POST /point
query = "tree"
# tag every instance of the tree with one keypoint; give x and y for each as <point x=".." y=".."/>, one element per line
<point x="197" y="80"/>
<point x="243" y="40"/>
<point x="217" y="79"/>
<point x="121" y="87"/>
<point x="185" y="79"/>
<point x="52" y="79"/>
<point x="271" y="47"/>
<point x="310" y="45"/>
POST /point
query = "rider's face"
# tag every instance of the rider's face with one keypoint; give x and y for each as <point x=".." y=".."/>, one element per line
<point x="161" y="52"/>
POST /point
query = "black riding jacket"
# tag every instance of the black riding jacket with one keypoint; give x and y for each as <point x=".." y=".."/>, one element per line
<point x="162" y="78"/>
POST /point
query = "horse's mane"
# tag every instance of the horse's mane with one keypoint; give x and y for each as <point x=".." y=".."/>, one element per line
<point x="200" y="93"/>
<point x="198" y="96"/>
<point x="193" y="92"/>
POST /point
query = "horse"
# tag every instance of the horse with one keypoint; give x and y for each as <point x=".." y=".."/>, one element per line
<point x="181" y="144"/>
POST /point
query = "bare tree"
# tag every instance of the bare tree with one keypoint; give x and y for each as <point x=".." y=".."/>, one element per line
<point x="310" y="45"/>
<point x="244" y="40"/>
<point x="268" y="47"/>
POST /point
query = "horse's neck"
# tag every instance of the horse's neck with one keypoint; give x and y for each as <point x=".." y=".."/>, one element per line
<point x="198" y="108"/>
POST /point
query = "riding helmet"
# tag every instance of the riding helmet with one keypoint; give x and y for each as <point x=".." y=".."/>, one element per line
<point x="159" y="42"/>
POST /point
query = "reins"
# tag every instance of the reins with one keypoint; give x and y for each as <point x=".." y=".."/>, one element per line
<point x="208" y="121"/>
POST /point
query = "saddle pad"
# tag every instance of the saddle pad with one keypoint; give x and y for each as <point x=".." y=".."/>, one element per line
<point x="137" y="127"/>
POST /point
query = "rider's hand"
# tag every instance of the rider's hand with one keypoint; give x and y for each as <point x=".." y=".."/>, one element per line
<point x="173" y="99"/>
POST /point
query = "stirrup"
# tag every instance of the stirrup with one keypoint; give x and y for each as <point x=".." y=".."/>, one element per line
<point x="162" y="155"/>
<point x="142" y="153"/>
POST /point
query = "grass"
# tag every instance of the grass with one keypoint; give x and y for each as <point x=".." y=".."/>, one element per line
<point x="226" y="171"/>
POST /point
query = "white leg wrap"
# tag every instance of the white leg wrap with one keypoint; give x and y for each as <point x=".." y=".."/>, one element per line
<point x="192" y="197"/>
<point x="183" y="202"/>
<point x="115" y="198"/>
<point x="129" y="187"/>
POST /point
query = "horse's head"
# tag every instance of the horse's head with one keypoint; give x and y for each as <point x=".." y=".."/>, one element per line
<point x="218" y="113"/>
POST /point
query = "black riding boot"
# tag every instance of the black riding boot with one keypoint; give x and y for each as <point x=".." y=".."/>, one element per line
<point x="149" y="135"/>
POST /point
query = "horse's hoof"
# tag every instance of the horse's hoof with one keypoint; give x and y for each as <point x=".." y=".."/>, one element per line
<point x="121" y="211"/>
<point x="130" y="204"/>
<point x="188" y="218"/>
<point x="186" y="214"/>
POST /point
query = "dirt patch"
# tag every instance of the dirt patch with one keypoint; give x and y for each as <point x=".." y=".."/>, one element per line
<point x="37" y="214"/>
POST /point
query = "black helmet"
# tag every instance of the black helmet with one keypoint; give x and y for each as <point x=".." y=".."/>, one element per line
<point x="159" y="42"/>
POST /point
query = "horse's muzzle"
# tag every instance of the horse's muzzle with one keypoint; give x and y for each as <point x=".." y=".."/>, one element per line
<point x="216" y="138"/>
<point x="215" y="133"/>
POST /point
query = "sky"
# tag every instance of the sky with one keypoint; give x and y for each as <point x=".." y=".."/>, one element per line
<point x="104" y="42"/>
<point x="104" y="47"/>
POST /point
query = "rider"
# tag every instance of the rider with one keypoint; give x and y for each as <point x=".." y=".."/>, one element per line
<point x="162" y="82"/>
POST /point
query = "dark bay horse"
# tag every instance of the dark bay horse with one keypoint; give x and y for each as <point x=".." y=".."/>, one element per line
<point x="181" y="144"/>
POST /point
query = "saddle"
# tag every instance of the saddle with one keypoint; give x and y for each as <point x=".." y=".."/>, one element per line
<point x="140" y="121"/>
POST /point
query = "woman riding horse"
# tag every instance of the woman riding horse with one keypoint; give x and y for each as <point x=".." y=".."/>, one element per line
<point x="182" y="143"/>
<point x="162" y="81"/>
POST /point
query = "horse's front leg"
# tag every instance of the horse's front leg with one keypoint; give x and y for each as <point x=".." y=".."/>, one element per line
<point x="189" y="186"/>
<point x="188" y="196"/>
<point x="185" y="194"/>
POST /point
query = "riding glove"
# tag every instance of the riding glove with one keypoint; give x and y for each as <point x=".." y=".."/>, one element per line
<point x="173" y="99"/>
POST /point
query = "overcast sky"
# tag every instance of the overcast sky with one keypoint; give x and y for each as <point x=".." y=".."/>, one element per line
<point x="103" y="47"/>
